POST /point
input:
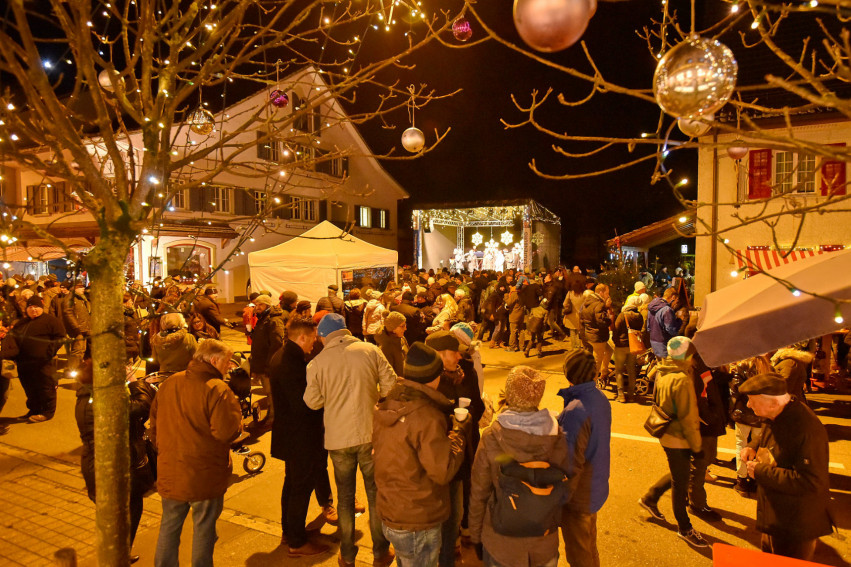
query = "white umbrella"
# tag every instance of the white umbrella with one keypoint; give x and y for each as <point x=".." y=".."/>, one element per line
<point x="760" y="314"/>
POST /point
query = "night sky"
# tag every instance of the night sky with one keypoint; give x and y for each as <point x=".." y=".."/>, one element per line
<point x="481" y="160"/>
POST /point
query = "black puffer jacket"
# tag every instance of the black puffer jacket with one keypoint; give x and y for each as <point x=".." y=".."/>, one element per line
<point x="595" y="319"/>
<point x="267" y="337"/>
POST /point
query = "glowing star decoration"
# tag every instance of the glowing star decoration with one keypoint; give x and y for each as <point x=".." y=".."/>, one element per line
<point x="507" y="238"/>
<point x="279" y="99"/>
<point x="202" y="122"/>
<point x="477" y="239"/>
<point x="461" y="29"/>
<point x="413" y="139"/>
<point x="695" y="78"/>
<point x="538" y="238"/>
<point x="492" y="244"/>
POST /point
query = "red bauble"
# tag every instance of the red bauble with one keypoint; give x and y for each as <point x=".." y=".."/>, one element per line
<point x="279" y="98"/>
<point x="462" y="30"/>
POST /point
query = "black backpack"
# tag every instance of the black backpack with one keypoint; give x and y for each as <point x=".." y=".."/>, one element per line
<point x="528" y="500"/>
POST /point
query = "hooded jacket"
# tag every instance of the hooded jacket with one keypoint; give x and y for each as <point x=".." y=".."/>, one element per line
<point x="792" y="364"/>
<point x="587" y="424"/>
<point x="416" y="457"/>
<point x="267" y="337"/>
<point x="662" y="324"/>
<point x="209" y="309"/>
<point x="674" y="394"/>
<point x="77" y="315"/>
<point x="595" y="319"/>
<point x="354" y="315"/>
<point x="515" y="436"/>
<point x="628" y="318"/>
<point x="346" y="379"/>
<point x="173" y="349"/>
<point x="393" y="348"/>
<point x="373" y="317"/>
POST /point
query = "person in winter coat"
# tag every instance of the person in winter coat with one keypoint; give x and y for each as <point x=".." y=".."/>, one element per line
<point x="414" y="320"/>
<point x="587" y="424"/>
<point x="524" y="433"/>
<point x="789" y="462"/>
<point x="37" y="338"/>
<point x="748" y="425"/>
<point x="141" y="474"/>
<point x="200" y="329"/>
<point x="194" y="419"/>
<point x="674" y="395"/>
<point x="535" y="328"/>
<point x="132" y="336"/>
<point x="571" y="308"/>
<point x="76" y="316"/>
<point x="208" y="307"/>
<point x="268" y="336"/>
<point x="416" y="457"/>
<point x="331" y="302"/>
<point x="173" y="347"/>
<point x="447" y="314"/>
<point x="297" y="438"/>
<point x="595" y="319"/>
<point x="353" y="307"/>
<point x="391" y="341"/>
<point x="486" y="309"/>
<point x="347" y="379"/>
<point x="792" y="364"/>
<point x="662" y="323"/>
<point x="516" y="315"/>
<point x="629" y="319"/>
<point x="373" y="316"/>
<point x="464" y="333"/>
<point x="466" y="311"/>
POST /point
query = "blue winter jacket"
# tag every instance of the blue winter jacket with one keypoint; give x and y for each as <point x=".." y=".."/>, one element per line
<point x="587" y="425"/>
<point x="662" y="324"/>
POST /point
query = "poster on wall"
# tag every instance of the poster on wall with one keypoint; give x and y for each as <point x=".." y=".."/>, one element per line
<point x="376" y="278"/>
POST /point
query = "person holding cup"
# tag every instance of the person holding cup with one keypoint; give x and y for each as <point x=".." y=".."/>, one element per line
<point x="416" y="456"/>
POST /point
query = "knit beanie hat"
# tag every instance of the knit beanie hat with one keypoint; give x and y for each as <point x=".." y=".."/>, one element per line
<point x="422" y="365"/>
<point x="263" y="300"/>
<point x="330" y="323"/>
<point x="524" y="388"/>
<point x="463" y="332"/>
<point x="639" y="287"/>
<point x="288" y="297"/>
<point x="35" y="301"/>
<point x="579" y="367"/>
<point x="393" y="320"/>
<point x="679" y="348"/>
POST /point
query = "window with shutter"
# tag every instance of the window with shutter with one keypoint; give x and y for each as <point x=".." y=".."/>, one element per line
<point x="759" y="174"/>
<point x="833" y="177"/>
<point x="363" y="216"/>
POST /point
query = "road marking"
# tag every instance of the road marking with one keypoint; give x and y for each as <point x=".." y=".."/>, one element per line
<point x="720" y="449"/>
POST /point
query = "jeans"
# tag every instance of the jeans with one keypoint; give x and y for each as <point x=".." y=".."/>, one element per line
<point x="346" y="462"/>
<point x="415" y="549"/>
<point x="579" y="532"/>
<point x="489" y="561"/>
<point x="602" y="357"/>
<point x="204" y="516"/>
<point x="697" y="480"/>
<point x="744" y="434"/>
<point x="626" y="382"/>
<point x="39" y="386"/>
<point x="679" y="463"/>
<point x="450" y="528"/>
<point x="304" y="475"/>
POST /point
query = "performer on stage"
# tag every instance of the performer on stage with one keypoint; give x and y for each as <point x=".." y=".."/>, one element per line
<point x="499" y="261"/>
<point x="472" y="261"/>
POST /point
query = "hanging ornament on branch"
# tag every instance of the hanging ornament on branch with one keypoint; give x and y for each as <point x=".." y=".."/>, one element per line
<point x="738" y="150"/>
<point x="552" y="25"/>
<point x="695" y="78"/>
<point x="202" y="122"/>
<point x="461" y="29"/>
<point x="695" y="127"/>
<point x="413" y="138"/>
<point x="279" y="99"/>
<point x="106" y="81"/>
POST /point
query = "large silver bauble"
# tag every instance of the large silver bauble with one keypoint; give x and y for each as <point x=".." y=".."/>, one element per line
<point x="695" y="127"/>
<point x="202" y="122"/>
<point x="413" y="139"/>
<point x="695" y="78"/>
<point x="738" y="150"/>
<point x="552" y="25"/>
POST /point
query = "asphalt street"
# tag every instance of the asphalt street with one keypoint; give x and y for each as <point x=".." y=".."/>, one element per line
<point x="43" y="458"/>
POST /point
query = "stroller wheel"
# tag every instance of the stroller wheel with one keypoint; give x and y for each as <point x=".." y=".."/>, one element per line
<point x="642" y="386"/>
<point x="254" y="462"/>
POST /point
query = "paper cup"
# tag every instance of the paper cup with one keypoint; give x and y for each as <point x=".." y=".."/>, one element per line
<point x="464" y="402"/>
<point x="461" y="414"/>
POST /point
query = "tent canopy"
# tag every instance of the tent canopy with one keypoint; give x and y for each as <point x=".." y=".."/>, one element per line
<point x="308" y="263"/>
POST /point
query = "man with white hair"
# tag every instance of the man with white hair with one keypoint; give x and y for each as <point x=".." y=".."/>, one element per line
<point x="789" y="462"/>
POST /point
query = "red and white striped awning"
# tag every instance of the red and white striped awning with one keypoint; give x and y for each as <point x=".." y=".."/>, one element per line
<point x="761" y="259"/>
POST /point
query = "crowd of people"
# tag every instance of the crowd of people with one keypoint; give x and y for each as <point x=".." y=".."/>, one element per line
<point x="390" y="382"/>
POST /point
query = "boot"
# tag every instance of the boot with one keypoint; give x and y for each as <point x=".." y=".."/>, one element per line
<point x="742" y="487"/>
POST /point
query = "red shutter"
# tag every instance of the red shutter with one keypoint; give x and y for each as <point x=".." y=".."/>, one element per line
<point x="833" y="176"/>
<point x="759" y="174"/>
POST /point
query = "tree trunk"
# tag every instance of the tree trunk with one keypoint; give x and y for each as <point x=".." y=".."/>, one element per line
<point x="105" y="266"/>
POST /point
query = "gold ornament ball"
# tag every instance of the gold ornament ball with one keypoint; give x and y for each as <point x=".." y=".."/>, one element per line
<point x="105" y="81"/>
<point x="202" y="122"/>
<point x="552" y="25"/>
<point x="693" y="127"/>
<point x="695" y="78"/>
<point x="413" y="139"/>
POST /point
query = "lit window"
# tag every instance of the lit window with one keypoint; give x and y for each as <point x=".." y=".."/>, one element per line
<point x="222" y="199"/>
<point x="365" y="218"/>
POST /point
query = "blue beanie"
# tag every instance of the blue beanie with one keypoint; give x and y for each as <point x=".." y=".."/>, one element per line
<point x="330" y="323"/>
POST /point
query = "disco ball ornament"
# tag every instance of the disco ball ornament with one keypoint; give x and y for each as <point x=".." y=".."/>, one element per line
<point x="695" y="78"/>
<point x="279" y="98"/>
<point x="202" y="122"/>
<point x="552" y="25"/>
<point x="693" y="127"/>
<point x="413" y="139"/>
<point x="738" y="150"/>
<point x="461" y="29"/>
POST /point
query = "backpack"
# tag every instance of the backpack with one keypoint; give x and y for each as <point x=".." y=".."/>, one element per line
<point x="528" y="499"/>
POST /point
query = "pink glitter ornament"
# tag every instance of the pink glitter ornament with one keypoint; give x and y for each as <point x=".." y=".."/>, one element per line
<point x="279" y="98"/>
<point x="462" y="30"/>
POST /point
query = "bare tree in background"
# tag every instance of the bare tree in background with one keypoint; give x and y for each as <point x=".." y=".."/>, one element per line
<point x="119" y="118"/>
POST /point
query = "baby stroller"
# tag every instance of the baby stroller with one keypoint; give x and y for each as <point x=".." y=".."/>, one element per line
<point x="239" y="381"/>
<point x="646" y="375"/>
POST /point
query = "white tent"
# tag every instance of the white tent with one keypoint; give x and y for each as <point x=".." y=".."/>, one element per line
<point x="308" y="263"/>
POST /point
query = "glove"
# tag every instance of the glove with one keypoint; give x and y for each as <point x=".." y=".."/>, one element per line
<point x="479" y="550"/>
<point x="697" y="456"/>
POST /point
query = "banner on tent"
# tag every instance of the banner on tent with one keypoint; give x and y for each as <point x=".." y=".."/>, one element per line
<point x="376" y="278"/>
